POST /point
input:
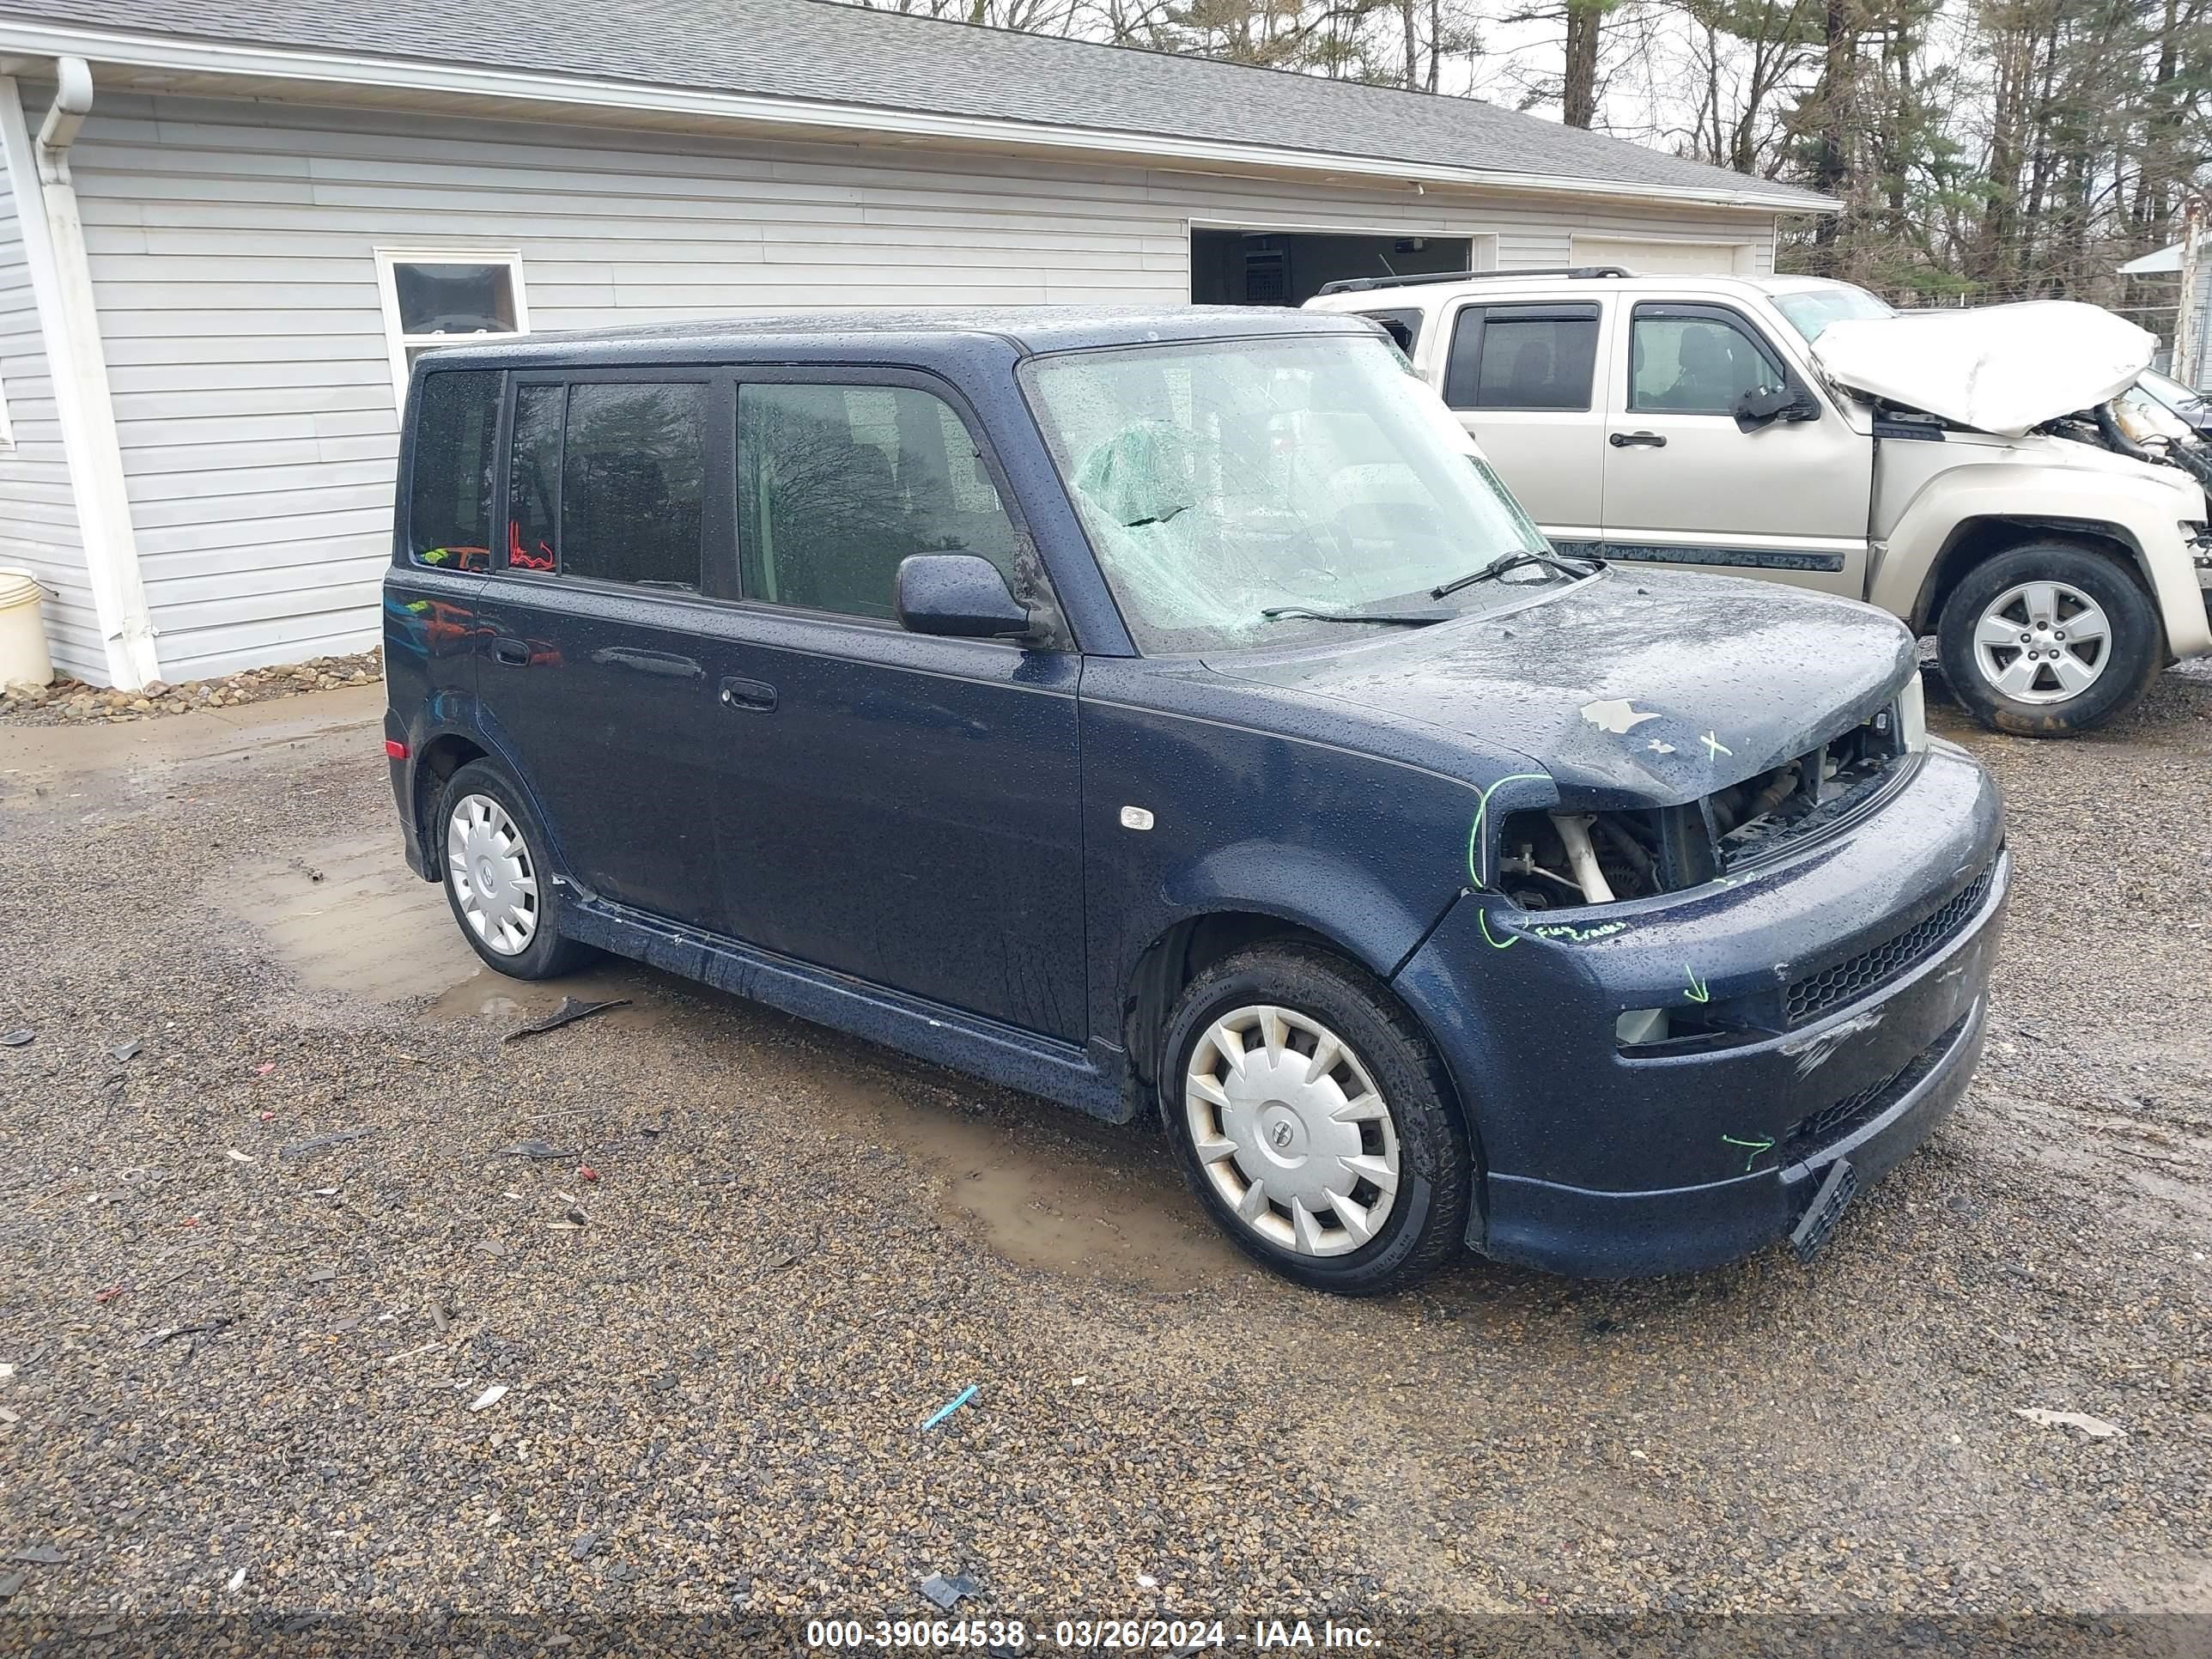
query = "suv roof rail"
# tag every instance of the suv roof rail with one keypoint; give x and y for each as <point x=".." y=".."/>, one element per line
<point x="1367" y="284"/>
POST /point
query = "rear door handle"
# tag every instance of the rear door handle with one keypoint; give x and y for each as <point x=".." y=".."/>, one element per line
<point x="1649" y="439"/>
<point x="666" y="662"/>
<point x="513" y="652"/>
<point x="748" y="694"/>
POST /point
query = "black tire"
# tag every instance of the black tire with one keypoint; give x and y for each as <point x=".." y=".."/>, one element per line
<point x="547" y="955"/>
<point x="2136" y="646"/>
<point x="1426" y="1225"/>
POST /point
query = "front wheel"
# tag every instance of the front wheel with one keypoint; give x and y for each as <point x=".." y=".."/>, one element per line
<point x="2049" y="639"/>
<point x="1314" y="1122"/>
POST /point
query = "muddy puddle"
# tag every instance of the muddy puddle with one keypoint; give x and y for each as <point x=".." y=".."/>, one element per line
<point x="1031" y="1181"/>
<point x="1044" y="1188"/>
<point x="94" y="767"/>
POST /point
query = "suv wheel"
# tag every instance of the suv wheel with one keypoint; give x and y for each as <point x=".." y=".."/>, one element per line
<point x="1315" y="1120"/>
<point x="496" y="881"/>
<point x="2049" y="639"/>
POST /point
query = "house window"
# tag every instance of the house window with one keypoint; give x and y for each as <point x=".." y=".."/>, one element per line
<point x="437" y="298"/>
<point x="7" y="431"/>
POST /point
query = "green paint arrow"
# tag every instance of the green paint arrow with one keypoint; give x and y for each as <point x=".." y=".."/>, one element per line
<point x="1698" y="991"/>
<point x="1756" y="1146"/>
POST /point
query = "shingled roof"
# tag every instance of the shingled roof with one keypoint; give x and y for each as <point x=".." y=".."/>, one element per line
<point x="842" y="55"/>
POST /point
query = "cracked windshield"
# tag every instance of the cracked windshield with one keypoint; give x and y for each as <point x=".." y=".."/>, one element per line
<point x="1257" y="493"/>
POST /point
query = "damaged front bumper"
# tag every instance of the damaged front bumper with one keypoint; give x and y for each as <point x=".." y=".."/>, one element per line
<point x="1834" y="1000"/>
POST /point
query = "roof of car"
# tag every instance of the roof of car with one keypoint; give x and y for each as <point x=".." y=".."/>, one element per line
<point x="802" y="51"/>
<point x="1385" y="297"/>
<point x="828" y="333"/>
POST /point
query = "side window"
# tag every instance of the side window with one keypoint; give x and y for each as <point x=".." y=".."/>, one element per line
<point x="1523" y="357"/>
<point x="1695" y="361"/>
<point x="633" y="484"/>
<point x="837" y="483"/>
<point x="533" y="479"/>
<point x="449" y="496"/>
<point x="1403" y="326"/>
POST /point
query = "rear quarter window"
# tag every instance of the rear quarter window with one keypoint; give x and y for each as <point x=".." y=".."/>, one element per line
<point x="449" y="496"/>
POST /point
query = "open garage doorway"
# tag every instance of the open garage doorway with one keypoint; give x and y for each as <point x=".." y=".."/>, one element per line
<point x="1288" y="267"/>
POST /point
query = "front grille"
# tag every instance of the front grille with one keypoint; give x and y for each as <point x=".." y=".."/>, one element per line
<point x="1831" y="1123"/>
<point x="1814" y="995"/>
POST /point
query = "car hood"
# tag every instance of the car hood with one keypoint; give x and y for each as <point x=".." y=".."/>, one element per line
<point x="1649" y="688"/>
<point x="1997" y="368"/>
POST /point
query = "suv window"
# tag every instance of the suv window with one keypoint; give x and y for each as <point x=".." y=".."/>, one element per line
<point x="606" y="479"/>
<point x="449" y="498"/>
<point x="1523" y="357"/>
<point x="533" y="475"/>
<point x="1695" y="360"/>
<point x="1402" y="326"/>
<point x="839" y="483"/>
<point x="633" y="484"/>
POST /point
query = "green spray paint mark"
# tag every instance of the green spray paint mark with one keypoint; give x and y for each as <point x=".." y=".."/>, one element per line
<point x="1578" y="935"/>
<point x="1698" y="993"/>
<point x="1714" y="747"/>
<point x="1756" y="1146"/>
<point x="1483" y="916"/>
<point x="1474" y="874"/>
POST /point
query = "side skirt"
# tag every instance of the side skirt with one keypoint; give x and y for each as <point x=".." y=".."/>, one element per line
<point x="927" y="1030"/>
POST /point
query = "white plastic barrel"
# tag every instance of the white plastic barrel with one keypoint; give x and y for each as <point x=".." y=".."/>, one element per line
<point x="23" y="658"/>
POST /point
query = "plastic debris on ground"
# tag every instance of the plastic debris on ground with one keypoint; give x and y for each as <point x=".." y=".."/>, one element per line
<point x="237" y="1580"/>
<point x="542" y="1151"/>
<point x="946" y="1593"/>
<point x="124" y="1050"/>
<point x="491" y="1397"/>
<point x="17" y="1038"/>
<point x="40" y="1555"/>
<point x="570" y="1011"/>
<point x="956" y="1403"/>
<point x="2095" y="1427"/>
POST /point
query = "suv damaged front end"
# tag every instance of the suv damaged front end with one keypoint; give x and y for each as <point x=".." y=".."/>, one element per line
<point x="1721" y="955"/>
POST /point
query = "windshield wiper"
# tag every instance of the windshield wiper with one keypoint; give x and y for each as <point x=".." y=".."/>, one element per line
<point x="1572" y="566"/>
<point x="1404" y="618"/>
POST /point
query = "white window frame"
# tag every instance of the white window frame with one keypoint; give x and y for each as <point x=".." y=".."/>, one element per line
<point x="7" y="427"/>
<point x="388" y="259"/>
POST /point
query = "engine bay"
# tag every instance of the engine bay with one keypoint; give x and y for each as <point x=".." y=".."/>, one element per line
<point x="1559" y="857"/>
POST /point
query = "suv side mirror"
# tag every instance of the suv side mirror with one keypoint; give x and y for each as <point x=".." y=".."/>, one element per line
<point x="1763" y="408"/>
<point x="957" y="595"/>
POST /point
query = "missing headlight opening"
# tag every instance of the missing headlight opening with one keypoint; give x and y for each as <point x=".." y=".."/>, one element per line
<point x="1548" y="859"/>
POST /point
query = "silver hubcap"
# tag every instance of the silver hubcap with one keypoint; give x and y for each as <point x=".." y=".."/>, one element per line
<point x="2042" y="642"/>
<point x="488" y="864"/>
<point x="1290" y="1130"/>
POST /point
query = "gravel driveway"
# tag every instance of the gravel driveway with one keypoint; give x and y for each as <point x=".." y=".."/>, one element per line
<point x="250" y="1365"/>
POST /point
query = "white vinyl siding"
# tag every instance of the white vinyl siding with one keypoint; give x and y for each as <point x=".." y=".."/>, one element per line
<point x="234" y="256"/>
<point x="1652" y="257"/>
<point x="38" y="518"/>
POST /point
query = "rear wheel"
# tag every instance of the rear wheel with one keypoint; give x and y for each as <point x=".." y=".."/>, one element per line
<point x="496" y="882"/>
<point x="1314" y="1122"/>
<point x="2049" y="639"/>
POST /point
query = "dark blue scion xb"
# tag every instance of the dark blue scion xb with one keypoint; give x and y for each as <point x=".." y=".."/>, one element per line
<point x="1173" y="709"/>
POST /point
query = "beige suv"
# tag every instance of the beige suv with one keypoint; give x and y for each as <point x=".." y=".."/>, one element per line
<point x="1963" y="471"/>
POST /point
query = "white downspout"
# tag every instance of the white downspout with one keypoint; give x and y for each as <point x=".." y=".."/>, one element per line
<point x="69" y="323"/>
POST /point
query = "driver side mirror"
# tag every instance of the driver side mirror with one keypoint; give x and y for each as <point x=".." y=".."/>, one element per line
<point x="957" y="596"/>
<point x="1755" y="410"/>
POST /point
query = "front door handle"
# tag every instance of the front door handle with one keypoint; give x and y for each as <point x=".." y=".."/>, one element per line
<point x="748" y="694"/>
<point x="666" y="662"/>
<point x="515" y="652"/>
<point x="1649" y="439"/>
